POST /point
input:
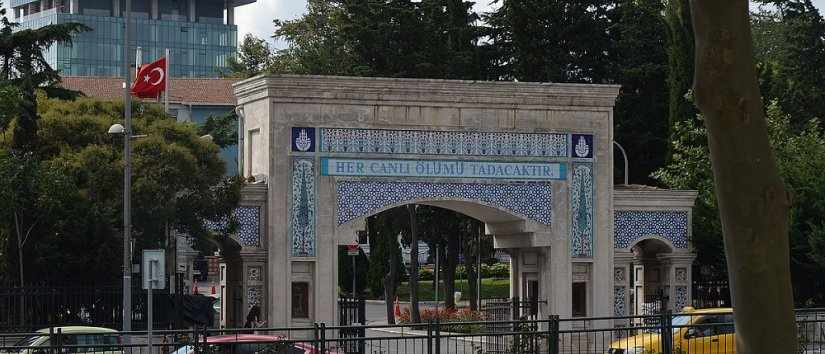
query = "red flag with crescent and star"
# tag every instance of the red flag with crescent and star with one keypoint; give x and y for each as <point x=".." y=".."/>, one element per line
<point x="150" y="80"/>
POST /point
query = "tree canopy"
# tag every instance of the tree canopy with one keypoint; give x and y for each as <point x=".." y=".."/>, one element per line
<point x="74" y="189"/>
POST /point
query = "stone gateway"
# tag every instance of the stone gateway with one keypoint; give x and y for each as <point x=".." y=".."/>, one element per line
<point x="533" y="161"/>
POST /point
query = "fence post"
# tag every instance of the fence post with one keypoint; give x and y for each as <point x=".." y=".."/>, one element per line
<point x="429" y="337"/>
<point x="195" y="346"/>
<point x="323" y="338"/>
<point x="59" y="340"/>
<point x="52" y="339"/>
<point x="666" y="331"/>
<point x="553" y="335"/>
<point x="437" y="335"/>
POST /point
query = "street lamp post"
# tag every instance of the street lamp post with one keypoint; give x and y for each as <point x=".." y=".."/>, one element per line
<point x="127" y="178"/>
<point x="626" y="168"/>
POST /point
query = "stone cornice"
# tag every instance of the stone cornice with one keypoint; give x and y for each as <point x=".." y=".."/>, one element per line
<point x="410" y="92"/>
<point x="630" y="199"/>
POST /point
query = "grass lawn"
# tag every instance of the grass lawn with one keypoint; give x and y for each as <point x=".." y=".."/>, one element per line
<point x="490" y="288"/>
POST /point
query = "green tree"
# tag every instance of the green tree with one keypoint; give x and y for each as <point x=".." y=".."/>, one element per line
<point x="640" y="66"/>
<point x="801" y="156"/>
<point x="315" y="43"/>
<point x="789" y="38"/>
<point x="178" y="184"/>
<point x="222" y="128"/>
<point x="551" y="41"/>
<point x="680" y="63"/>
<point x="386" y="268"/>
<point x="399" y="38"/>
<point x="254" y="57"/>
<point x="24" y="66"/>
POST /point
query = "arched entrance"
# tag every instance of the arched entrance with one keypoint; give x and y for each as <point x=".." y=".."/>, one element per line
<point x="650" y="276"/>
<point x="533" y="161"/>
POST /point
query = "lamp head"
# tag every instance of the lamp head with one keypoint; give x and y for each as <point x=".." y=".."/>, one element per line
<point x="117" y="128"/>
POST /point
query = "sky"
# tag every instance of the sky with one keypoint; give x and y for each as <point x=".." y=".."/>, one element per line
<point x="256" y="18"/>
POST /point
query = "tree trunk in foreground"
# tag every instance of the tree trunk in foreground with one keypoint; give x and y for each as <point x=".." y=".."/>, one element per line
<point x="415" y="315"/>
<point x="450" y="266"/>
<point x="389" y="289"/>
<point x="753" y="201"/>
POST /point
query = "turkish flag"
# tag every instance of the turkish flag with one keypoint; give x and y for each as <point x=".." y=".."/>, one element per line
<point x="150" y="80"/>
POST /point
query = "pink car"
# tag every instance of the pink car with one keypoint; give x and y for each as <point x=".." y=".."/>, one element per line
<point x="252" y="344"/>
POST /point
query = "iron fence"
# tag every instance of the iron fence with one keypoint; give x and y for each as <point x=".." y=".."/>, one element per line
<point x="697" y="332"/>
<point x="29" y="308"/>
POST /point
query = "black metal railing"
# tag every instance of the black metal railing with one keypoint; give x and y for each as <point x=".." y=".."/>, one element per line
<point x="682" y="333"/>
<point x="24" y="309"/>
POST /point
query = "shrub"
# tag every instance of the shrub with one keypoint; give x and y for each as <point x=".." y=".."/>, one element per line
<point x="446" y="316"/>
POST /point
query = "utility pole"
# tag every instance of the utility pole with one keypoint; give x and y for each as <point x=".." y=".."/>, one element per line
<point x="127" y="179"/>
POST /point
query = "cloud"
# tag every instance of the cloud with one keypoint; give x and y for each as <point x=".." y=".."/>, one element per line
<point x="256" y="18"/>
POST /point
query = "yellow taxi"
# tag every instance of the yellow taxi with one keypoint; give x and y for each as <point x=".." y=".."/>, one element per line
<point x="703" y="331"/>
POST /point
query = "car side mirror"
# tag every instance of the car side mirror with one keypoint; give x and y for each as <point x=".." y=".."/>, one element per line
<point x="691" y="333"/>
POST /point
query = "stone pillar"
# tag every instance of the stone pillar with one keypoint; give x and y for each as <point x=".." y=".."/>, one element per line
<point x="74" y="6"/>
<point x="192" y="13"/>
<point x="116" y="8"/>
<point x="515" y="259"/>
<point x="44" y="5"/>
<point x="622" y="305"/>
<point x="230" y="13"/>
<point x="155" y="9"/>
<point x="679" y="279"/>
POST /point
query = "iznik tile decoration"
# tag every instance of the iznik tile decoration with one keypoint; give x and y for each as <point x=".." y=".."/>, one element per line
<point x="381" y="141"/>
<point x="248" y="225"/>
<point x="618" y="274"/>
<point x="631" y="225"/>
<point x="619" y="301"/>
<point x="254" y="274"/>
<point x="532" y="200"/>
<point x="681" y="275"/>
<point x="254" y="295"/>
<point x="681" y="297"/>
<point x="581" y="210"/>
<point x="302" y="209"/>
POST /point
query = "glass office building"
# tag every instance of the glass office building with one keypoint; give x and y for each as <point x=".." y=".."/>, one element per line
<point x="200" y="34"/>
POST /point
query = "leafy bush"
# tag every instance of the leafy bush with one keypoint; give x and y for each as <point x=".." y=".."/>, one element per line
<point x="446" y="316"/>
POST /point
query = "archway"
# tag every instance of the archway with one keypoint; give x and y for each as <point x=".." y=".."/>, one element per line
<point x="524" y="239"/>
<point x="650" y="277"/>
<point x="532" y="161"/>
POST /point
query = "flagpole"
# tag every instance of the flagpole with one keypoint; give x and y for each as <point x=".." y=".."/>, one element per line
<point x="166" y="82"/>
<point x="138" y="60"/>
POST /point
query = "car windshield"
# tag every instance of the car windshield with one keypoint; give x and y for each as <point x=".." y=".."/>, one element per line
<point x="27" y="341"/>
<point x="186" y="349"/>
<point x="679" y="322"/>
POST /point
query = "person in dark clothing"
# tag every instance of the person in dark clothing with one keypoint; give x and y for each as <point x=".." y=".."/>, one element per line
<point x="253" y="318"/>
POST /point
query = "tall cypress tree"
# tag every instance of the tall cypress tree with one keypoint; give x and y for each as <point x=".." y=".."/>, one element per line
<point x="680" y="50"/>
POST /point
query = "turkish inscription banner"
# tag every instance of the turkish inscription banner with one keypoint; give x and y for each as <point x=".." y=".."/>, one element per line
<point x="442" y="168"/>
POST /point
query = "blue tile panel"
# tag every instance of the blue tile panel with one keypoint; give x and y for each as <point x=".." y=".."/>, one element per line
<point x="249" y="226"/>
<point x="581" y="210"/>
<point x="532" y="200"/>
<point x="451" y="143"/>
<point x="249" y="220"/>
<point x="619" y="307"/>
<point x="302" y="208"/>
<point x="632" y="225"/>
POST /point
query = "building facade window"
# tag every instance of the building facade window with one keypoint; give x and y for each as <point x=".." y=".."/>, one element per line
<point x="300" y="300"/>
